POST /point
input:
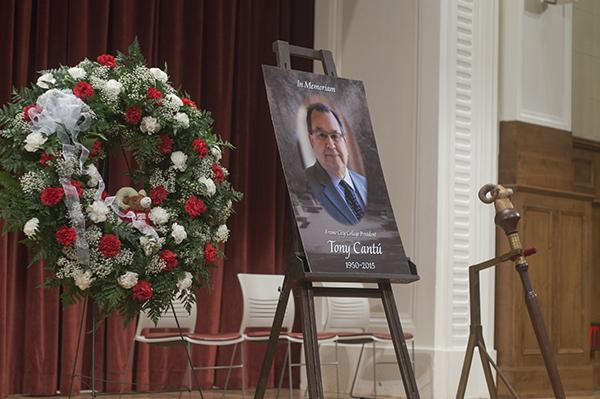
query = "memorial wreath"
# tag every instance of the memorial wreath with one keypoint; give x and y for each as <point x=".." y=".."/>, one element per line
<point x="140" y="246"/>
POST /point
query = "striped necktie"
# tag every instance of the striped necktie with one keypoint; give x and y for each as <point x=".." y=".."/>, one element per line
<point x="351" y="200"/>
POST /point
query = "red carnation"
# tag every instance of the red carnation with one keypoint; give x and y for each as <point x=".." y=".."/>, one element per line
<point x="153" y="93"/>
<point x="52" y="195"/>
<point x="109" y="245"/>
<point x="45" y="158"/>
<point x="165" y="145"/>
<point x="107" y="60"/>
<point x="170" y="258"/>
<point x="26" y="109"/>
<point x="158" y="195"/>
<point x="200" y="147"/>
<point x="189" y="102"/>
<point x="83" y="90"/>
<point x="142" y="291"/>
<point x="66" y="236"/>
<point x="210" y="253"/>
<point x="194" y="206"/>
<point x="218" y="172"/>
<point x="77" y="186"/>
<point x="133" y="115"/>
<point x="96" y="148"/>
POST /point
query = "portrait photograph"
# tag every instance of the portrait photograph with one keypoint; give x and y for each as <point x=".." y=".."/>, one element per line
<point x="333" y="172"/>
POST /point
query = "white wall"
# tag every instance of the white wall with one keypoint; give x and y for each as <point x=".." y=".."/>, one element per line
<point x="535" y="68"/>
<point x="429" y="68"/>
<point x="376" y="42"/>
<point x="586" y="69"/>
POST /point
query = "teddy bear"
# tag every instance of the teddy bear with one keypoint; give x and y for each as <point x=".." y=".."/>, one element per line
<point x="129" y="199"/>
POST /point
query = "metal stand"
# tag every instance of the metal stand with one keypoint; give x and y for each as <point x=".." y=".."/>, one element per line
<point x="298" y="276"/>
<point x="506" y="218"/>
<point x="94" y="393"/>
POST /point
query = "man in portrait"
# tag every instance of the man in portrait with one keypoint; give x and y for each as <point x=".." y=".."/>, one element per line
<point x="341" y="191"/>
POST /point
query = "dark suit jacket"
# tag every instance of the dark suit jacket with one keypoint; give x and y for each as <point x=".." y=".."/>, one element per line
<point x="328" y="196"/>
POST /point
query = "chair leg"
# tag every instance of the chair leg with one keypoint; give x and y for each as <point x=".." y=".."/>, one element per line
<point x="242" y="362"/>
<point x="337" y="372"/>
<point x="290" y="370"/>
<point x="229" y="368"/>
<point x="189" y="372"/>
<point x="362" y="349"/>
<point x="281" y="374"/>
<point x="374" y="372"/>
<point x="412" y="349"/>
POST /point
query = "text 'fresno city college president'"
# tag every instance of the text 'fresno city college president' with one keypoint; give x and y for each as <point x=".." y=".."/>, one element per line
<point x="341" y="191"/>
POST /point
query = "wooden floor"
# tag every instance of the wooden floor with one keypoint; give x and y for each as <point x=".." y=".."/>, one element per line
<point x="208" y="394"/>
<point x="270" y="394"/>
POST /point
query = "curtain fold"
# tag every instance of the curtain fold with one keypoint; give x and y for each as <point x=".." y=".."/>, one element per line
<point x="213" y="50"/>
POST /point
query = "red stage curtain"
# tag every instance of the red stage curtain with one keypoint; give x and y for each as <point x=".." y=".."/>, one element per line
<point x="214" y="50"/>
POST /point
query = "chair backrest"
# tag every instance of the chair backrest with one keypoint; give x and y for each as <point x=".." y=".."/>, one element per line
<point x="187" y="321"/>
<point x="260" y="294"/>
<point x="346" y="314"/>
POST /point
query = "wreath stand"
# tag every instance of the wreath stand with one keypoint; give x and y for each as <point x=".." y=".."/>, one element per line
<point x="298" y="275"/>
<point x="92" y="378"/>
<point x="507" y="219"/>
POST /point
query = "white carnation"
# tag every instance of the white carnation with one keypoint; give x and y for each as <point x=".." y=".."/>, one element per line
<point x="185" y="282"/>
<point x="128" y="280"/>
<point x="149" y="244"/>
<point x="179" y="160"/>
<point x="159" y="75"/>
<point x="97" y="211"/>
<point x="216" y="153"/>
<point x="31" y="227"/>
<point x="92" y="172"/>
<point x="211" y="188"/>
<point x="149" y="125"/>
<point x="46" y="80"/>
<point x="83" y="280"/>
<point x="158" y="215"/>
<point x="182" y="119"/>
<point x="179" y="234"/>
<point x="76" y="73"/>
<point x="34" y="141"/>
<point x="174" y="100"/>
<point x="112" y="88"/>
<point x="222" y="233"/>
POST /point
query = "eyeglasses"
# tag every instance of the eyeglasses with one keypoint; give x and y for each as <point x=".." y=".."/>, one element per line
<point x="323" y="136"/>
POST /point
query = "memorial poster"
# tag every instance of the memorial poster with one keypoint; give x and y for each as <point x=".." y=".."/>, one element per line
<point x="333" y="173"/>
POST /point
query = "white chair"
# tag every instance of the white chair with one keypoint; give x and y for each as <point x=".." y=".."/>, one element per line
<point x="348" y="319"/>
<point x="260" y="293"/>
<point x="187" y="322"/>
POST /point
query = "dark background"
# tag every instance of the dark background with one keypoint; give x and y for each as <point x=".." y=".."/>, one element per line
<point x="214" y="50"/>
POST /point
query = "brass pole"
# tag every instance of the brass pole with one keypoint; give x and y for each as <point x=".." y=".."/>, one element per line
<point x="507" y="218"/>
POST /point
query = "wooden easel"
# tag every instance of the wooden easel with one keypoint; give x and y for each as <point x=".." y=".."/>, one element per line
<point x="507" y="219"/>
<point x="299" y="276"/>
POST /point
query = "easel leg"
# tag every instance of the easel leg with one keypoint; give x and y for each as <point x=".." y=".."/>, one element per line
<point x="500" y="374"/>
<point x="487" y="370"/>
<point x="274" y="338"/>
<point x="464" y="375"/>
<point x="391" y="313"/>
<point x="311" y="348"/>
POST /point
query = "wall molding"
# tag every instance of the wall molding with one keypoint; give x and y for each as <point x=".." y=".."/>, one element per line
<point x="467" y="154"/>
